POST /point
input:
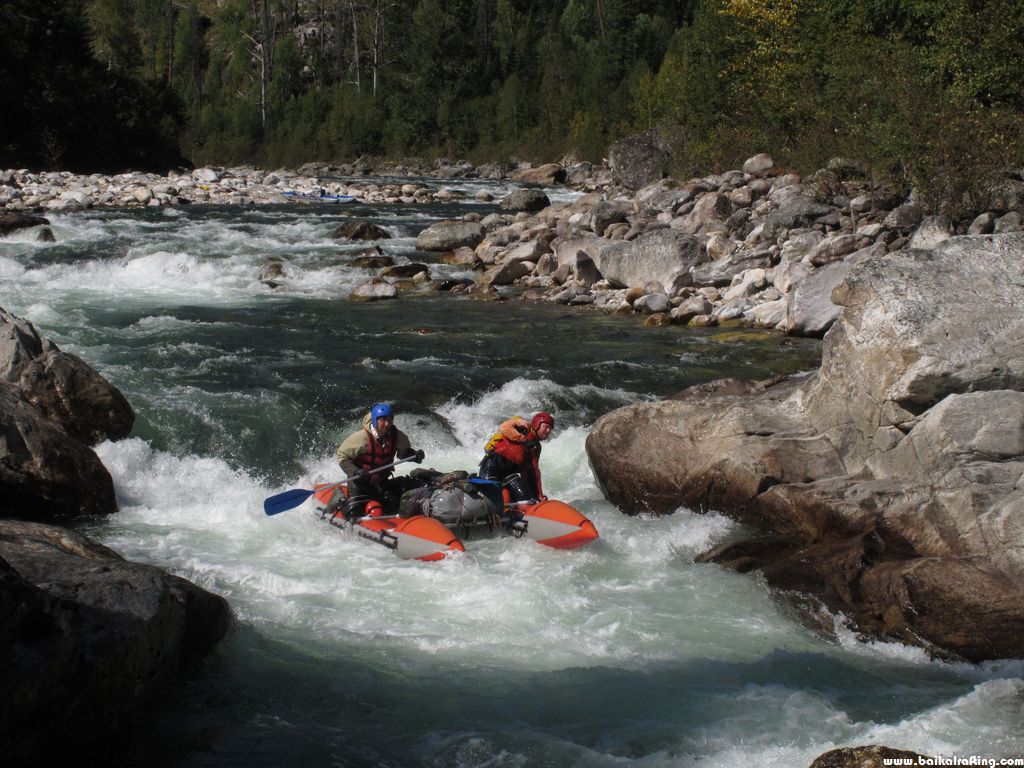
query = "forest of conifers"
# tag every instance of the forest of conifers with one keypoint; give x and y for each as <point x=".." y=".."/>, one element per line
<point x="924" y="88"/>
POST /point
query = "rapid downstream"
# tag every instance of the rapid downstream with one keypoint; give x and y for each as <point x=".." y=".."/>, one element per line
<point x="621" y="653"/>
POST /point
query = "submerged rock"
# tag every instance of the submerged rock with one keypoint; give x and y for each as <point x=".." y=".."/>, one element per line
<point x="865" y="757"/>
<point x="360" y="230"/>
<point x="11" y="222"/>
<point x="374" y="290"/>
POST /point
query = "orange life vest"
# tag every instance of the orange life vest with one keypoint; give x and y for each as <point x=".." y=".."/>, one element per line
<point x="513" y="441"/>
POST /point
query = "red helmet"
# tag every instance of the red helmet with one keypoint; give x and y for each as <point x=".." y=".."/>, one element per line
<point x="542" y="418"/>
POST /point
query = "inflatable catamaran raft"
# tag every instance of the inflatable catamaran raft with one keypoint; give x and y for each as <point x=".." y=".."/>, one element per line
<point x="433" y="519"/>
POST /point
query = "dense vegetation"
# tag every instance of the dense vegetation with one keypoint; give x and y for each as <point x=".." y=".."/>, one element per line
<point x="932" y="90"/>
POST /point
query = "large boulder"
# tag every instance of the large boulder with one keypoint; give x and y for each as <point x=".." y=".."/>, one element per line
<point x="44" y="471"/>
<point x="524" y="200"/>
<point x="811" y="311"/>
<point x="664" y="255"/>
<point x="795" y="211"/>
<point x="60" y="386"/>
<point x="449" y="235"/>
<point x="11" y="222"/>
<point x="889" y="480"/>
<point x="639" y="160"/>
<point x="87" y="641"/>
<point x="919" y="326"/>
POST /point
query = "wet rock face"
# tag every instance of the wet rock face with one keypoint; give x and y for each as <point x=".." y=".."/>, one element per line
<point x="87" y="640"/>
<point x="60" y="386"/>
<point x="360" y="230"/>
<point x="863" y="757"/>
<point x="52" y="406"/>
<point x="44" y="471"/>
<point x="889" y="480"/>
<point x="11" y="222"/>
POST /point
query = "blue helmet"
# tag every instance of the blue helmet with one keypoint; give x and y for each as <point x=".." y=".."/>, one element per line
<point x="380" y="409"/>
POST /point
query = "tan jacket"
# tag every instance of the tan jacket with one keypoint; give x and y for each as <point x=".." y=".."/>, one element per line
<point x="357" y="448"/>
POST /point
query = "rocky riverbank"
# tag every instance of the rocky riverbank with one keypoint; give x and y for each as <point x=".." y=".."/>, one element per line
<point x="24" y="191"/>
<point x="757" y="246"/>
<point x="87" y="639"/>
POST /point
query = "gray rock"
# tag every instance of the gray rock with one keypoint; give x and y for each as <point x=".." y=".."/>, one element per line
<point x="870" y="756"/>
<point x="693" y="306"/>
<point x="206" y="175"/>
<point x="449" y="235"/>
<point x="787" y="274"/>
<point x="45" y="472"/>
<point x="758" y="164"/>
<point x="525" y="200"/>
<point x="664" y="255"/>
<point x="904" y="217"/>
<point x="505" y="273"/>
<point x="651" y="303"/>
<point x="711" y="207"/>
<point x="577" y="175"/>
<point x="664" y="195"/>
<point x="606" y="213"/>
<point x="770" y="314"/>
<point x="586" y="271"/>
<point x="956" y="342"/>
<point x="373" y="290"/>
<point x="360" y="230"/>
<point x="800" y="244"/>
<point x="411" y="269"/>
<point x="88" y="641"/>
<point x="546" y="175"/>
<point x="11" y="222"/>
<point x="720" y="273"/>
<point x="798" y="211"/>
<point x="861" y="204"/>
<point x="60" y="386"/>
<point x="811" y="311"/>
<point x="982" y="225"/>
<point x="933" y="230"/>
<point x="639" y="160"/>
<point x="833" y="248"/>
<point x="1010" y="222"/>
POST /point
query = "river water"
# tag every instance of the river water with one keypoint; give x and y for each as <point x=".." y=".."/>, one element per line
<point x="513" y="655"/>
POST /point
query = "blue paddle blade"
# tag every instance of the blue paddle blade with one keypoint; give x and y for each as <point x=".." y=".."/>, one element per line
<point x="282" y="502"/>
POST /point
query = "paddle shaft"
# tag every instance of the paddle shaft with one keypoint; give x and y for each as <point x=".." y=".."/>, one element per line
<point x="282" y="502"/>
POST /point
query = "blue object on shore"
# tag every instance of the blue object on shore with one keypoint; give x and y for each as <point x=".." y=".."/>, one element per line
<point x="306" y="197"/>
